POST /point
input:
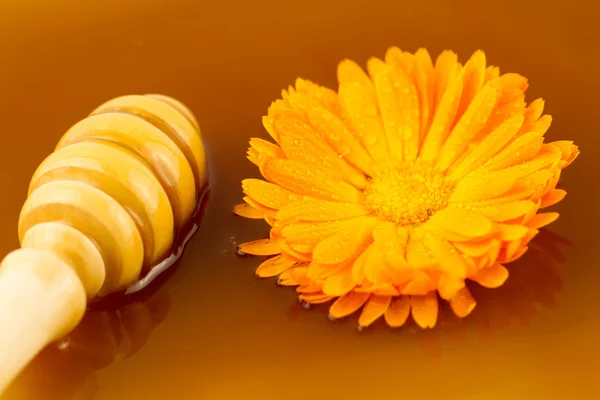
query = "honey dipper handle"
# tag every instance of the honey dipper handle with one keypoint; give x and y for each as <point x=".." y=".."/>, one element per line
<point x="41" y="299"/>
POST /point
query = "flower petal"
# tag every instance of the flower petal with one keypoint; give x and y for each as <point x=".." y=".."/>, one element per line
<point x="315" y="298"/>
<point x="286" y="278"/>
<point x="268" y="194"/>
<point x="509" y="232"/>
<point x="513" y="84"/>
<point x="384" y="290"/>
<point x="511" y="101"/>
<point x="314" y="210"/>
<point x="417" y="254"/>
<point x="480" y="186"/>
<point x="444" y="115"/>
<point x="339" y="284"/>
<point x="260" y="151"/>
<point x="446" y="255"/>
<point x="294" y="253"/>
<point x="274" y="266"/>
<point x="521" y="149"/>
<point x="385" y="98"/>
<point x="400" y="59"/>
<point x="491" y="72"/>
<point x="392" y="240"/>
<point x="532" y="233"/>
<point x="492" y="277"/>
<point x="247" y="211"/>
<point x="323" y="96"/>
<point x="445" y="65"/>
<point x="267" y="212"/>
<point x="423" y="74"/>
<point x="373" y="309"/>
<point x="267" y="121"/>
<point x="473" y="75"/>
<point x="374" y="268"/>
<point x="463" y="303"/>
<point x="425" y="309"/>
<point x="344" y="244"/>
<point x="506" y="211"/>
<point x="553" y="197"/>
<point x="310" y="287"/>
<point x="569" y="152"/>
<point x="448" y="286"/>
<point x="301" y="142"/>
<point x="540" y="220"/>
<point x="475" y="248"/>
<point x="334" y="131"/>
<point x="469" y="125"/>
<point x="386" y="261"/>
<point x="397" y="311"/>
<point x="304" y="179"/>
<point x="493" y="254"/>
<point x="299" y="273"/>
<point x="318" y="272"/>
<point x="348" y="304"/>
<point x="359" y="102"/>
<point x="358" y="266"/>
<point x="539" y="126"/>
<point x="419" y="68"/>
<point x="419" y="284"/>
<point x="261" y="247"/>
<point x="303" y="248"/>
<point x="548" y="156"/>
<point x="287" y="282"/>
<point x="445" y="234"/>
<point x="488" y="147"/>
<point x="536" y="183"/>
<point x="462" y="221"/>
<point x="399" y="107"/>
<point x="523" y="188"/>
<point x="517" y="254"/>
<point x="313" y="233"/>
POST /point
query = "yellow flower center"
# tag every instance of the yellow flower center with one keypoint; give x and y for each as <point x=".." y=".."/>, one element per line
<point x="408" y="195"/>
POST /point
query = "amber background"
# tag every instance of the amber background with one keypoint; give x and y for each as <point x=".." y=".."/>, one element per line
<point x="221" y="333"/>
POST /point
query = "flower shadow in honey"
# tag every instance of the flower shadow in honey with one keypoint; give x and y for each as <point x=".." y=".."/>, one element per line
<point x="533" y="284"/>
<point x="112" y="329"/>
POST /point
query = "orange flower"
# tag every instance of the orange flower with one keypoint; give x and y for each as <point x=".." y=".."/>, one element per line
<point x="405" y="183"/>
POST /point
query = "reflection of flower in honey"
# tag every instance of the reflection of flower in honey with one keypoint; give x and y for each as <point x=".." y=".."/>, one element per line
<point x="533" y="284"/>
<point x="67" y="369"/>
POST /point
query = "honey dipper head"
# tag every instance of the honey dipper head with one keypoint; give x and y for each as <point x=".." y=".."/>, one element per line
<point x="119" y="185"/>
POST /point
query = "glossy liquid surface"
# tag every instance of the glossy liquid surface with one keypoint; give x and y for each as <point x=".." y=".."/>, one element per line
<point x="211" y="329"/>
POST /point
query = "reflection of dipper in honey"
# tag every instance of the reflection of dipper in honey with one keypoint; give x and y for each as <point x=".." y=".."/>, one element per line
<point x="68" y="368"/>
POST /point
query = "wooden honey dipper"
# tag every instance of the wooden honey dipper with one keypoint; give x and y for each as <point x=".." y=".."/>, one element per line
<point x="102" y="209"/>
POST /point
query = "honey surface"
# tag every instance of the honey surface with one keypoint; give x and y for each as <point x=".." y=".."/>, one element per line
<point x="210" y="329"/>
